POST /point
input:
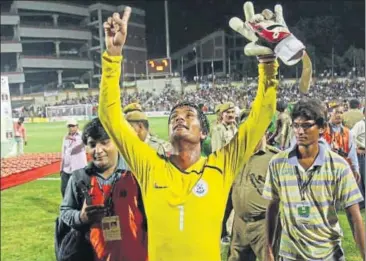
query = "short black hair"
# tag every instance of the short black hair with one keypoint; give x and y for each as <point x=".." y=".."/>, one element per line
<point x="310" y="109"/>
<point x="354" y="104"/>
<point x="95" y="130"/>
<point x="21" y="118"/>
<point x="205" y="126"/>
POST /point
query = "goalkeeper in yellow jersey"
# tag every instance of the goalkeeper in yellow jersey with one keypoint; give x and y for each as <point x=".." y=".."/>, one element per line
<point x="184" y="194"/>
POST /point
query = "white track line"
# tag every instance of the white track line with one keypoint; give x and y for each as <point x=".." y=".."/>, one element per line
<point x="49" y="179"/>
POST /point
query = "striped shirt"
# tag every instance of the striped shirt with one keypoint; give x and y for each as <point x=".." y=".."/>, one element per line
<point x="319" y="234"/>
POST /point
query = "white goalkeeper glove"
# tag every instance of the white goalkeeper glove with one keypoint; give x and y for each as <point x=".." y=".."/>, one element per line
<point x="269" y="35"/>
<point x="263" y="53"/>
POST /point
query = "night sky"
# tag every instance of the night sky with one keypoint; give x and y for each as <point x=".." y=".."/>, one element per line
<point x="191" y="20"/>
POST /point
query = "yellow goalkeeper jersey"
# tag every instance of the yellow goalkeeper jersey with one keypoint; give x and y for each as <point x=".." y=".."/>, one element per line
<point x="184" y="208"/>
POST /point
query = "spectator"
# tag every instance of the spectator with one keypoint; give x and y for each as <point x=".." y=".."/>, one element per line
<point x="20" y="136"/>
<point x="73" y="153"/>
<point x="300" y="182"/>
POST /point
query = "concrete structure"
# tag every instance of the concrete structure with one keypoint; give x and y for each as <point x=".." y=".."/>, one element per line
<point x="135" y="52"/>
<point x="47" y="45"/>
<point x="223" y="49"/>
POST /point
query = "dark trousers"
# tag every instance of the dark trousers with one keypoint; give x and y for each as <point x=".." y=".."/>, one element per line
<point x="228" y="209"/>
<point x="64" y="180"/>
<point x="361" y="185"/>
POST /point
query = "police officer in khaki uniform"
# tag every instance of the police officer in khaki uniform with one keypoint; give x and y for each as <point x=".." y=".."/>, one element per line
<point x="224" y="131"/>
<point x="216" y="121"/>
<point x="139" y="121"/>
<point x="248" y="235"/>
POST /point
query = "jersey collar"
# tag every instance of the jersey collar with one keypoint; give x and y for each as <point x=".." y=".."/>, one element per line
<point x="319" y="161"/>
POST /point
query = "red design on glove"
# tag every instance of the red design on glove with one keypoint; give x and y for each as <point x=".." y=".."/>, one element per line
<point x="275" y="34"/>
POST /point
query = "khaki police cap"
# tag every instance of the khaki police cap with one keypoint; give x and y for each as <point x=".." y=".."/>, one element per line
<point x="136" y="116"/>
<point x="132" y="107"/>
<point x="217" y="108"/>
<point x="226" y="106"/>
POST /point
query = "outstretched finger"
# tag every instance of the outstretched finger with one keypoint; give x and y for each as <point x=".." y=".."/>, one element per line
<point x="126" y="17"/>
<point x="279" y="15"/>
<point x="238" y="25"/>
<point x="248" y="11"/>
<point x="126" y="14"/>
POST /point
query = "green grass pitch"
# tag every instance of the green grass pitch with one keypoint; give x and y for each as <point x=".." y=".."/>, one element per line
<point x="28" y="211"/>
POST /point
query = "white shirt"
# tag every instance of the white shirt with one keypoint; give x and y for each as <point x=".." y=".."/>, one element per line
<point x="73" y="153"/>
<point x="358" y="131"/>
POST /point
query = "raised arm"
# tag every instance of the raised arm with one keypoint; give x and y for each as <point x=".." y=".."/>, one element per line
<point x="242" y="146"/>
<point x="137" y="154"/>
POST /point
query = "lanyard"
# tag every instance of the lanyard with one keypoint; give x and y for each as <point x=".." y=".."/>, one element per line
<point x="108" y="201"/>
<point x="303" y="185"/>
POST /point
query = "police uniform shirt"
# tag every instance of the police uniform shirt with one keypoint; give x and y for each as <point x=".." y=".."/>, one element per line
<point x="248" y="185"/>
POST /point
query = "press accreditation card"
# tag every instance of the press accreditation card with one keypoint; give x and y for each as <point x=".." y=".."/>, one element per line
<point x="111" y="228"/>
<point x="303" y="212"/>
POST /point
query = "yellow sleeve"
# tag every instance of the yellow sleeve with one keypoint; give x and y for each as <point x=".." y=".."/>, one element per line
<point x="138" y="155"/>
<point x="233" y="156"/>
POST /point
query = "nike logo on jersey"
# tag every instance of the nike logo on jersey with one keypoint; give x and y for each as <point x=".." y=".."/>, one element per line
<point x="159" y="187"/>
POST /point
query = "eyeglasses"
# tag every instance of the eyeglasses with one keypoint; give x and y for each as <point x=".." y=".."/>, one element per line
<point x="304" y="126"/>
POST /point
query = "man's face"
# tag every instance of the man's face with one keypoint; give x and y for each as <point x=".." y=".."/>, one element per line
<point x="337" y="115"/>
<point x="185" y="125"/>
<point x="228" y="116"/>
<point x="139" y="129"/>
<point x="306" y="131"/>
<point x="103" y="152"/>
<point x="73" y="129"/>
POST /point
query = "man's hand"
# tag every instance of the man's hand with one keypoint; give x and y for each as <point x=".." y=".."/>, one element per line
<point x="115" y="30"/>
<point x="270" y="257"/>
<point x="92" y="214"/>
<point x="357" y="176"/>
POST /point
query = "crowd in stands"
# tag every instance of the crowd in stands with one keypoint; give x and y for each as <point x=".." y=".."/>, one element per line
<point x="210" y="96"/>
<point x="242" y="97"/>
